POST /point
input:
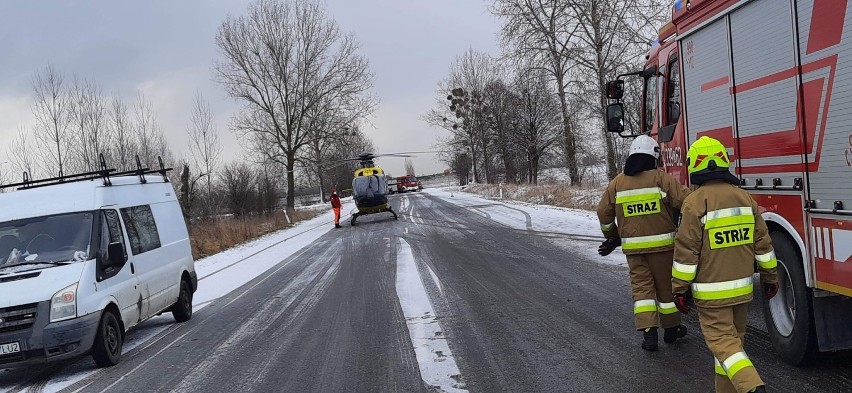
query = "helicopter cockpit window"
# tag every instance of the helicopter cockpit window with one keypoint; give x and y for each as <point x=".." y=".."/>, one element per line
<point x="369" y="186"/>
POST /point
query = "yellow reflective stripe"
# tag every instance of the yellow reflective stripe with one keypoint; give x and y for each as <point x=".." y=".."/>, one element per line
<point x="729" y="221"/>
<point x="648" y="305"/>
<point x="729" y="212"/>
<point x="767" y="261"/>
<point x="722" y="290"/>
<point x="683" y="272"/>
<point x="772" y="264"/>
<point x="639" y="194"/>
<point x="718" y="367"/>
<point x="607" y="227"/>
<point x="636" y="243"/>
<point x="735" y="363"/>
<point x="667" y="308"/>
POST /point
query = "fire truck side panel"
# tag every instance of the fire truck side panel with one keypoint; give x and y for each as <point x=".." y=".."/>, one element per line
<point x="826" y="50"/>
<point x="705" y="75"/>
<point x="769" y="144"/>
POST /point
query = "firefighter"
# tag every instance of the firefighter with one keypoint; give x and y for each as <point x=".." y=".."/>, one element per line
<point x="721" y="237"/>
<point x="335" y="205"/>
<point x="643" y="200"/>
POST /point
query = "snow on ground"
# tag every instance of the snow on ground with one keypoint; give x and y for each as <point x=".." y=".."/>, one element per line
<point x="218" y="275"/>
<point x="582" y="224"/>
<point x="437" y="364"/>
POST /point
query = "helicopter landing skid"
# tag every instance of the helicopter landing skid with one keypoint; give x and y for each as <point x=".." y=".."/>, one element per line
<point x="357" y="214"/>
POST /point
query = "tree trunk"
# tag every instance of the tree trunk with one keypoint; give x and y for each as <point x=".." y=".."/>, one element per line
<point x="508" y="164"/>
<point x="475" y="166"/>
<point x="570" y="141"/>
<point x="530" y="166"/>
<point x="321" y="185"/>
<point x="486" y="163"/>
<point x="535" y="162"/>
<point x="291" y="182"/>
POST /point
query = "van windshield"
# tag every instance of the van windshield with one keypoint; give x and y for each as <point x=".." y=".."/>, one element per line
<point x="37" y="243"/>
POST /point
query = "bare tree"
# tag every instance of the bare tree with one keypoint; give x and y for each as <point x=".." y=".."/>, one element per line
<point x="409" y="167"/>
<point x="124" y="145"/>
<point x="146" y="131"/>
<point x="89" y="133"/>
<point x="238" y="180"/>
<point x="286" y="60"/>
<point x="542" y="32"/>
<point x="538" y="124"/>
<point x="204" y="145"/>
<point x="610" y="38"/>
<point x="462" y="110"/>
<point x="502" y="104"/>
<point x="21" y="152"/>
<point x="51" y="114"/>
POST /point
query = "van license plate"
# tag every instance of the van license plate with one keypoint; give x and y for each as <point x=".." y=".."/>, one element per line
<point x="10" y="348"/>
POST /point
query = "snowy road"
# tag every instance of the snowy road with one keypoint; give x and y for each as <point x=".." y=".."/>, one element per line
<point x="460" y="294"/>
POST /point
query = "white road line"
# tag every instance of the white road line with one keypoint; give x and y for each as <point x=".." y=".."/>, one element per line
<point x="437" y="365"/>
<point x="436" y="279"/>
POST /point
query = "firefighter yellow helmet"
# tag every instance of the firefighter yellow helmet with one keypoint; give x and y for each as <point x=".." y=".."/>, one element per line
<point x="707" y="155"/>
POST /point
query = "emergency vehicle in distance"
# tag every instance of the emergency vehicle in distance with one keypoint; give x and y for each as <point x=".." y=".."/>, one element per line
<point x="771" y="80"/>
<point x="407" y="183"/>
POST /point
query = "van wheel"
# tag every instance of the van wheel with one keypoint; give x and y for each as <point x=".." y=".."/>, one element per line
<point x="182" y="310"/>
<point x="106" y="350"/>
<point x="788" y="315"/>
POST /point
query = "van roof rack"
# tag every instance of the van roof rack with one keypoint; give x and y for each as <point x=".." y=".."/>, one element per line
<point x="104" y="173"/>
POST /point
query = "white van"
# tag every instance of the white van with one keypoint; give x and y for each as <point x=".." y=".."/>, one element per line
<point x="83" y="260"/>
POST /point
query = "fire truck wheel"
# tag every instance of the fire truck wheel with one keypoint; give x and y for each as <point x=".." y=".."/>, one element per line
<point x="788" y="315"/>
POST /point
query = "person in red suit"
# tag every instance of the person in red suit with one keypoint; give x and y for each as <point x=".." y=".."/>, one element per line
<point x="335" y="205"/>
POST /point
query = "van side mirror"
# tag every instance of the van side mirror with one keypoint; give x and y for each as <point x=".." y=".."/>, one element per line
<point x="615" y="118"/>
<point x="116" y="256"/>
<point x="615" y="89"/>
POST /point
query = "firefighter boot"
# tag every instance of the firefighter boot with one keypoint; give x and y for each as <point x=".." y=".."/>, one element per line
<point x="650" y="341"/>
<point x="672" y="334"/>
<point x="759" y="389"/>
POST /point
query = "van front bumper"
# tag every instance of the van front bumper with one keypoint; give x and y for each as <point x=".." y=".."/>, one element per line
<point x="47" y="342"/>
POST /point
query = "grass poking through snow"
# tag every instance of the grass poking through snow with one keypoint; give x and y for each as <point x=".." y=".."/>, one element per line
<point x="211" y="237"/>
<point x="560" y="195"/>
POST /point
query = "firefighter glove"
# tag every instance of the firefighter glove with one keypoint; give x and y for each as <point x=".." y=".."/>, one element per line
<point x="770" y="290"/>
<point x="608" y="246"/>
<point x="680" y="303"/>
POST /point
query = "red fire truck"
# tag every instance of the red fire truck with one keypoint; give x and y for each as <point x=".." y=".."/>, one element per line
<point x="407" y="183"/>
<point x="772" y="80"/>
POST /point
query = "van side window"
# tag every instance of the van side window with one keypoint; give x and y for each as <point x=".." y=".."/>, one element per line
<point x="141" y="229"/>
<point x="112" y="231"/>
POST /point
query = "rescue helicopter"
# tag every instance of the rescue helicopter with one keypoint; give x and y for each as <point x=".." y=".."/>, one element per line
<point x="370" y="187"/>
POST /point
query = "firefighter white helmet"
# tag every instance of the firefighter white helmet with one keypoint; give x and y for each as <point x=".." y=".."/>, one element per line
<point x="644" y="144"/>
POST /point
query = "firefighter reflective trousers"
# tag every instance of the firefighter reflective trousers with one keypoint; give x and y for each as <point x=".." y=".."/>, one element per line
<point x="724" y="331"/>
<point x="336" y="215"/>
<point x="651" y="281"/>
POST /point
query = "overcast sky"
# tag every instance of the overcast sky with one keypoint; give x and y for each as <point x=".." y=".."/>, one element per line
<point x="166" y="49"/>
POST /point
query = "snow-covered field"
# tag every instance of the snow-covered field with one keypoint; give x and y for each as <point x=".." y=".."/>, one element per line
<point x="581" y="225"/>
<point x="218" y="275"/>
